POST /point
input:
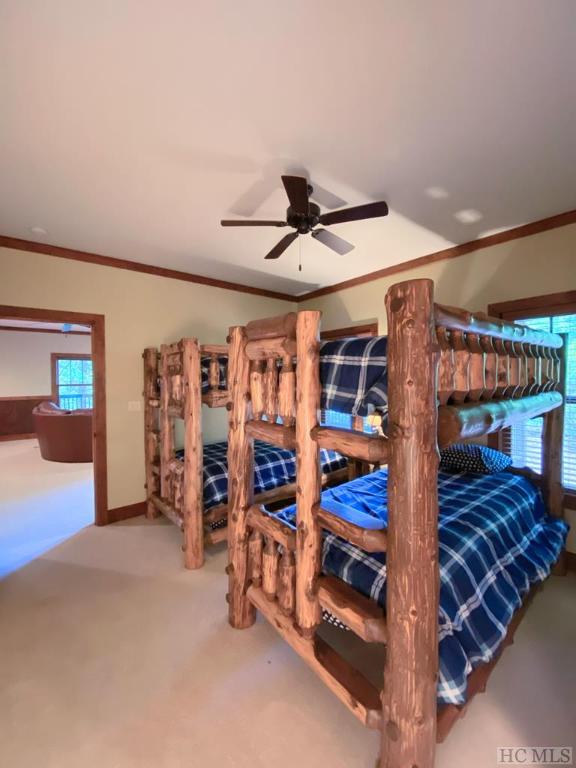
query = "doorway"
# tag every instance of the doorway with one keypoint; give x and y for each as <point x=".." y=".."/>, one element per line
<point x="77" y="385"/>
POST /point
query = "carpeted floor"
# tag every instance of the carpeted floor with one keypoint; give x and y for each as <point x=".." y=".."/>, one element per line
<point x="41" y="502"/>
<point x="113" y="656"/>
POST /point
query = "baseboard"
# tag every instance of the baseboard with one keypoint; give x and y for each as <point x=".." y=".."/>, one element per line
<point x="124" y="513"/>
<point x="27" y="436"/>
<point x="570" y="560"/>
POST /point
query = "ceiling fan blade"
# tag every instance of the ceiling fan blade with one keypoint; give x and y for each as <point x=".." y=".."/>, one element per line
<point x="256" y="195"/>
<point x="334" y="242"/>
<point x="252" y="223"/>
<point x="297" y="190"/>
<point x="280" y="247"/>
<point x="358" y="212"/>
<point x="325" y="198"/>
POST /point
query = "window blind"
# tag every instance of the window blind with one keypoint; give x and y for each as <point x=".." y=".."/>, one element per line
<point x="524" y="441"/>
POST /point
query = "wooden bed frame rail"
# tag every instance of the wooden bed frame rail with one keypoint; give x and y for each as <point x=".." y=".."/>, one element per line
<point x="451" y="375"/>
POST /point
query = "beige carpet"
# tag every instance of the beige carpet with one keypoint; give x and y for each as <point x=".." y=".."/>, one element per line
<point x="113" y="656"/>
<point x="41" y="502"/>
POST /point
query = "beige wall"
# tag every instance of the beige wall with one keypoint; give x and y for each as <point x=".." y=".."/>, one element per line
<point x="544" y="263"/>
<point x="532" y="266"/>
<point x="141" y="310"/>
<point x="25" y="360"/>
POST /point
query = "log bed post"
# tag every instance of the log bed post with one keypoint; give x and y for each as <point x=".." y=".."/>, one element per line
<point x="150" y="424"/>
<point x="193" y="501"/>
<point x="241" y="612"/>
<point x="552" y="441"/>
<point x="166" y="425"/>
<point x="412" y="581"/>
<point x="308" y="532"/>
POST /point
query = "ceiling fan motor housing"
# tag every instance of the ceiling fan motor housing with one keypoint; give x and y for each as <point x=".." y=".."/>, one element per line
<point x="302" y="222"/>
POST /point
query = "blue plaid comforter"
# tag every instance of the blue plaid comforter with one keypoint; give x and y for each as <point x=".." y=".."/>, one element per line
<point x="495" y="542"/>
<point x="273" y="468"/>
<point x="353" y="374"/>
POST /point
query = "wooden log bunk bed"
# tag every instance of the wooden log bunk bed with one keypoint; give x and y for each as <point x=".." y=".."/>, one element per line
<point x="452" y="375"/>
<point x="173" y="390"/>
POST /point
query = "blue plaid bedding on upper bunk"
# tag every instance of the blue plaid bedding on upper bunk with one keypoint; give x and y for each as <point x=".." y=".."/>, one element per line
<point x="273" y="468"/>
<point x="205" y="373"/>
<point x="495" y="542"/>
<point x="352" y="372"/>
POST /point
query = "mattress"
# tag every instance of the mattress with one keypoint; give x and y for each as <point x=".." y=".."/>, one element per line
<point x="495" y="542"/>
<point x="273" y="468"/>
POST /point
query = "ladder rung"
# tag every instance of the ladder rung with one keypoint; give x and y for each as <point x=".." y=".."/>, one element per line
<point x="357" y="445"/>
<point x="275" y="434"/>
<point x="364" y="616"/>
<point x="167" y="510"/>
<point x="368" y="539"/>
<point x="349" y="685"/>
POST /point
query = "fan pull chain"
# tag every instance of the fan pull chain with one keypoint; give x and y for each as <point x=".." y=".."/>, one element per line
<point x="299" y="254"/>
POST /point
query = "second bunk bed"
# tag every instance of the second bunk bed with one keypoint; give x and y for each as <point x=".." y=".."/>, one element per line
<point x="189" y="485"/>
<point x="436" y="566"/>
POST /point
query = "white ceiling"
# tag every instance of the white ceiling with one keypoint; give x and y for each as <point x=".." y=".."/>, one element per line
<point x="129" y="128"/>
<point x="36" y="325"/>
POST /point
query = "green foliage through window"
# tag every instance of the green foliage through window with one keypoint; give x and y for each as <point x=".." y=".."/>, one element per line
<point x="74" y="380"/>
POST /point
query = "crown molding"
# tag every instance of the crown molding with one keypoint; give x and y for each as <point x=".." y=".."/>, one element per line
<point x="525" y="230"/>
<point x="135" y="266"/>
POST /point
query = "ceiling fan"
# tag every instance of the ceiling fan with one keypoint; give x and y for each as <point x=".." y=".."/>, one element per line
<point x="304" y="216"/>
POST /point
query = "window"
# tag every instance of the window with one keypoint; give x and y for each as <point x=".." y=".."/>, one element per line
<point x="524" y="441"/>
<point x="72" y="381"/>
<point x="526" y="438"/>
<point x="346" y="420"/>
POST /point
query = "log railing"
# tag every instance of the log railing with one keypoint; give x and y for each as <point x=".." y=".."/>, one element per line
<point x="492" y="374"/>
<point x="451" y="375"/>
<point x="483" y="358"/>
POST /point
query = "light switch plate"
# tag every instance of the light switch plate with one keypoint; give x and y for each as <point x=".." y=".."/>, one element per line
<point x="134" y="405"/>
